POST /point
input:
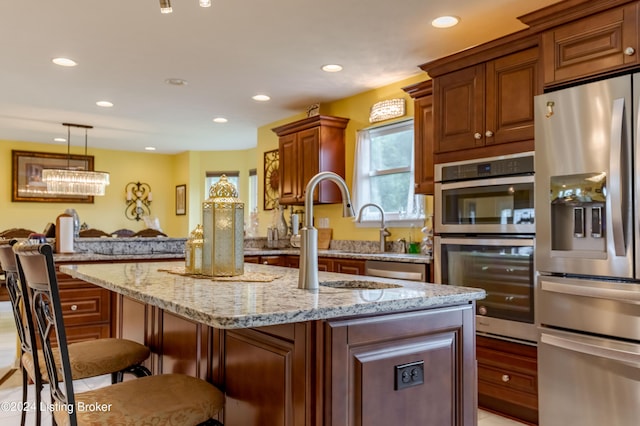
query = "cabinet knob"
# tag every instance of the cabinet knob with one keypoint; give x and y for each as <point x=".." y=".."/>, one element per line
<point x="477" y="136"/>
<point x="505" y="378"/>
<point x="415" y="185"/>
<point x="489" y="133"/>
<point x="74" y="307"/>
<point x="629" y="51"/>
<point x="266" y="262"/>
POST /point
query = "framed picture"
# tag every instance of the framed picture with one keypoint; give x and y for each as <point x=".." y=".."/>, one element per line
<point x="181" y="200"/>
<point x="26" y="175"/>
<point x="271" y="179"/>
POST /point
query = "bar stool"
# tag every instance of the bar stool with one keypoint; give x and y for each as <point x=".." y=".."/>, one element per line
<point x="88" y="359"/>
<point x="167" y="399"/>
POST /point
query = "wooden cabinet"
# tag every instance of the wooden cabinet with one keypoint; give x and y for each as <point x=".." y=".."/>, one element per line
<point x="422" y="93"/>
<point x="601" y="43"/>
<point x="479" y="107"/>
<point x="349" y="266"/>
<point x="266" y="375"/>
<point x="307" y="147"/>
<point x="325" y="264"/>
<point x="399" y="369"/>
<point x="86" y="309"/>
<point x="507" y="378"/>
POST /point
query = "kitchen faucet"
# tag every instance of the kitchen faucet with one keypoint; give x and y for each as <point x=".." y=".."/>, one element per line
<point x="384" y="232"/>
<point x="308" y="278"/>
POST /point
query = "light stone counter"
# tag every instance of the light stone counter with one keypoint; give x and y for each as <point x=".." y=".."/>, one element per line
<point x="230" y="305"/>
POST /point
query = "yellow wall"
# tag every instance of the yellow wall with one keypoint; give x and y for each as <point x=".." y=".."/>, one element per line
<point x="356" y="108"/>
<point x="163" y="172"/>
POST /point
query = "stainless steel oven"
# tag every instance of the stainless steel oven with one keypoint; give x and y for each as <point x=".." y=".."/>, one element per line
<point x="504" y="268"/>
<point x="493" y="195"/>
<point x="484" y="223"/>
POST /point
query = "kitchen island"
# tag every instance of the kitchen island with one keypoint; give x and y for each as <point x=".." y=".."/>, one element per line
<point x="356" y="352"/>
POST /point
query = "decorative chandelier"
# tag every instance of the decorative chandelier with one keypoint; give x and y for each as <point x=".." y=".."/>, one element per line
<point x="72" y="181"/>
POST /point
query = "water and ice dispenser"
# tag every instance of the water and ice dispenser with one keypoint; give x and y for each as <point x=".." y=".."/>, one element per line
<point x="578" y="212"/>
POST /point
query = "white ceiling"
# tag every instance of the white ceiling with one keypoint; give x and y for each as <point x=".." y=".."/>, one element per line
<point x="126" y="50"/>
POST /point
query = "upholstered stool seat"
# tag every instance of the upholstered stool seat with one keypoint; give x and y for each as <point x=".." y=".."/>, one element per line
<point x="94" y="358"/>
<point x="167" y="399"/>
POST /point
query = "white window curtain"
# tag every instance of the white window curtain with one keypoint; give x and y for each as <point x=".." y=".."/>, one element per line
<point x="361" y="170"/>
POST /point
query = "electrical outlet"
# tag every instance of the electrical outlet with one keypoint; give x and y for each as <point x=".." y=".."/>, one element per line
<point x="407" y="375"/>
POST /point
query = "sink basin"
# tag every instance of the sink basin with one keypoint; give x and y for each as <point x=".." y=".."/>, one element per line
<point x="359" y="285"/>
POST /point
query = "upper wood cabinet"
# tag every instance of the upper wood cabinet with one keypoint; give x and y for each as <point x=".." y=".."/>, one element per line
<point x="597" y="44"/>
<point x="422" y="93"/>
<point x="486" y="104"/>
<point x="307" y="147"/>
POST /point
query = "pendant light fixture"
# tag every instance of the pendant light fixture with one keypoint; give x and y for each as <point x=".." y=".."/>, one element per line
<point x="165" y="6"/>
<point x="72" y="181"/>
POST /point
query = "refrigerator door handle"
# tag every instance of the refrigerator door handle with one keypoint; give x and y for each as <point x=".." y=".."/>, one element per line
<point x="615" y="184"/>
<point x="575" y="345"/>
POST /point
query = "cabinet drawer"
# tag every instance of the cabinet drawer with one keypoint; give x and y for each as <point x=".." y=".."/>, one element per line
<point x="87" y="332"/>
<point x="85" y="306"/>
<point x="507" y="379"/>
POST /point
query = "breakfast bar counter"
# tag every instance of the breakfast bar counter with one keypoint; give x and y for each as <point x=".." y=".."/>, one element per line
<point x="359" y="350"/>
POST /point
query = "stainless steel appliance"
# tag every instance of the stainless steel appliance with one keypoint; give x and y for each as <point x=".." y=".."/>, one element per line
<point x="587" y="253"/>
<point x="503" y="267"/>
<point x="492" y="195"/>
<point x="397" y="270"/>
<point x="485" y="221"/>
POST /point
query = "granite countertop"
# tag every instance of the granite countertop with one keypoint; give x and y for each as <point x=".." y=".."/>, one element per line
<point x="238" y="304"/>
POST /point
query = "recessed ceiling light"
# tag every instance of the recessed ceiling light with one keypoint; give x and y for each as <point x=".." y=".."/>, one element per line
<point x="205" y="3"/>
<point x="261" y="98"/>
<point x="150" y="148"/>
<point x="64" y="62"/>
<point x="104" y="104"/>
<point x="176" y="81"/>
<point x="220" y="120"/>
<point x="59" y="140"/>
<point x="445" y="21"/>
<point x="332" y="68"/>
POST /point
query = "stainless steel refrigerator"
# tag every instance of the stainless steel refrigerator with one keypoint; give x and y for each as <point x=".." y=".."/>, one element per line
<point x="587" y="249"/>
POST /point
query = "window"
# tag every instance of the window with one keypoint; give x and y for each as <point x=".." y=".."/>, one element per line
<point x="383" y="174"/>
<point x="213" y="177"/>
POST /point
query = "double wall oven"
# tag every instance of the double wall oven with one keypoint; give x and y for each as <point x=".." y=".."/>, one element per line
<point x="485" y="229"/>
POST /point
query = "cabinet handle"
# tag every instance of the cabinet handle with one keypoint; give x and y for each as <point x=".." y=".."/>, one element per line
<point x="489" y="133"/>
<point x="629" y="51"/>
<point x="505" y="378"/>
<point x="74" y="307"/>
<point x="477" y="136"/>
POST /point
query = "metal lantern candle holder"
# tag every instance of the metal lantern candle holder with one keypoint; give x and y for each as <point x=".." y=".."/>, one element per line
<point x="193" y="251"/>
<point x="223" y="227"/>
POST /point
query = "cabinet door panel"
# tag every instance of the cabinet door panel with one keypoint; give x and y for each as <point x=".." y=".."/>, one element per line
<point x="308" y="143"/>
<point x="423" y="145"/>
<point x="345" y="266"/>
<point x="458" y="109"/>
<point x="288" y="169"/>
<point x="591" y="45"/>
<point x="512" y="82"/>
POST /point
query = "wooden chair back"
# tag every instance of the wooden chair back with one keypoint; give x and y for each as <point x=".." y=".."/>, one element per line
<point x="36" y="270"/>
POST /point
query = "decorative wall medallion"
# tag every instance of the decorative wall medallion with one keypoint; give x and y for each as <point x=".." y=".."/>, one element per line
<point x="271" y="179"/>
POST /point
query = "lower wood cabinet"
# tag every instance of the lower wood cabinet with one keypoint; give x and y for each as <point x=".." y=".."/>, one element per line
<point x="337" y="372"/>
<point x="414" y="368"/>
<point x="507" y="378"/>
<point x="86" y="309"/>
<point x="325" y="264"/>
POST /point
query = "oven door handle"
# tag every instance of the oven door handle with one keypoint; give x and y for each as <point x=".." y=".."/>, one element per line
<point x="509" y="180"/>
<point x="625" y="296"/>
<point x="576" y="345"/>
